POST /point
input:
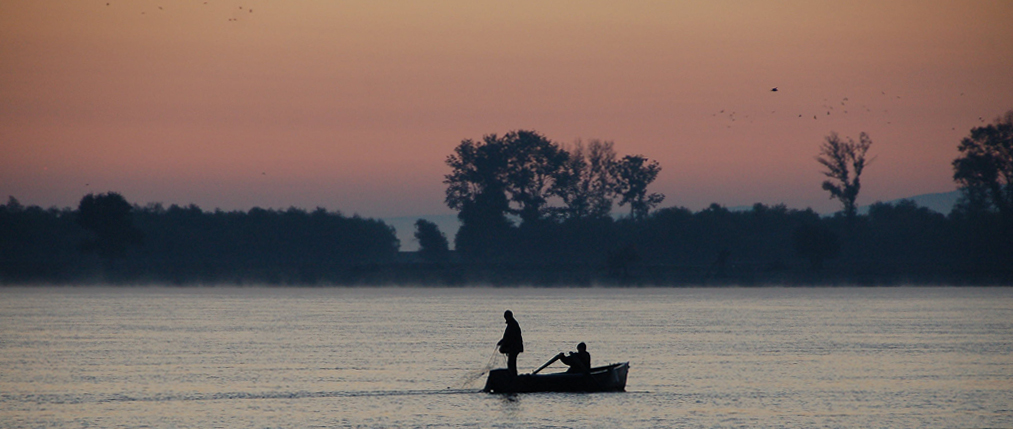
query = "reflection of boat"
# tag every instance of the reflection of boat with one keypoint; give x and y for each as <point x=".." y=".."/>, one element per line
<point x="609" y="378"/>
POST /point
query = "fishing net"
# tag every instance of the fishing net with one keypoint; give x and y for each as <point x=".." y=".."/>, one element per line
<point x="496" y="360"/>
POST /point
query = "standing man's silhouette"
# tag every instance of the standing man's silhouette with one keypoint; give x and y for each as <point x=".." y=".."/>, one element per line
<point x="512" y="344"/>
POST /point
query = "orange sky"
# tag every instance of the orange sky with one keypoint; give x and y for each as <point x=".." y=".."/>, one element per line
<point x="354" y="105"/>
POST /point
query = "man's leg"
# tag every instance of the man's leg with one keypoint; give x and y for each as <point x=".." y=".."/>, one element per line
<point x="512" y="363"/>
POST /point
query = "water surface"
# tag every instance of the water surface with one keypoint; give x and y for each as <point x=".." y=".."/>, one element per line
<point x="357" y="357"/>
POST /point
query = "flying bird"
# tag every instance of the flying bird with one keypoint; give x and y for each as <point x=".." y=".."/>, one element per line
<point x="774" y="89"/>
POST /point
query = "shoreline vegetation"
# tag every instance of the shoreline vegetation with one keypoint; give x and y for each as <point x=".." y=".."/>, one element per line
<point x="895" y="244"/>
<point x="535" y="212"/>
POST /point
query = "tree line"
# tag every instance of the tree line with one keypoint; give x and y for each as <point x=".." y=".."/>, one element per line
<point x="108" y="240"/>
<point x="534" y="211"/>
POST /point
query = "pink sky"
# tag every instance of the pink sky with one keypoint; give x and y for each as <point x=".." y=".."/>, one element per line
<point x="354" y="105"/>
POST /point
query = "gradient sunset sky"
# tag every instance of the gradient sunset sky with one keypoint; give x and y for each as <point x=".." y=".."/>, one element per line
<point x="354" y="105"/>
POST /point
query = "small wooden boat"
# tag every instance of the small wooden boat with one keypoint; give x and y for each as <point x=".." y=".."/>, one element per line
<point x="609" y="378"/>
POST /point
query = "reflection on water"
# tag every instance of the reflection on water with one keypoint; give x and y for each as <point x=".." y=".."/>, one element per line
<point x="244" y="357"/>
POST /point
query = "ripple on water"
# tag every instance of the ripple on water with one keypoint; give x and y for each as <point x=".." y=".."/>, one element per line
<point x="258" y="357"/>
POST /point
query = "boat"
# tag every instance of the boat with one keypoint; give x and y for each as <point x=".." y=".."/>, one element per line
<point x="608" y="378"/>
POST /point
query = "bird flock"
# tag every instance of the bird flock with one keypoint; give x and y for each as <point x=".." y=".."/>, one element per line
<point x="235" y="17"/>
<point x="827" y="109"/>
<point x="880" y="106"/>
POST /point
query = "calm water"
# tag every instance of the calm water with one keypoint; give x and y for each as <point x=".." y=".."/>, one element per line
<point x="345" y="357"/>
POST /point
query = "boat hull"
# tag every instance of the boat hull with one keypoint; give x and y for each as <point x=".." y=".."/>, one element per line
<point x="610" y="378"/>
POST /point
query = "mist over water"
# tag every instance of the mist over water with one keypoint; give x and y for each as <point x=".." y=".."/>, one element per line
<point x="401" y="357"/>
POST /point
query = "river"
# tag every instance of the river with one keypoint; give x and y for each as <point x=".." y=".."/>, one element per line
<point x="415" y="357"/>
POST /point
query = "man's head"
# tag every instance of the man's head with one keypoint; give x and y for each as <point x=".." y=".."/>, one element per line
<point x="508" y="315"/>
<point x="581" y="347"/>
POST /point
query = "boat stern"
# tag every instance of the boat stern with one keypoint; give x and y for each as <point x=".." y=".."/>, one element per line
<point x="499" y="381"/>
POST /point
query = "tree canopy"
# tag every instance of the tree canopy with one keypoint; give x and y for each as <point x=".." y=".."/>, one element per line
<point x="522" y="172"/>
<point x="633" y="174"/>
<point x="433" y="245"/>
<point x="984" y="169"/>
<point x="587" y="182"/>
<point x="108" y="217"/>
<point x="523" y="175"/>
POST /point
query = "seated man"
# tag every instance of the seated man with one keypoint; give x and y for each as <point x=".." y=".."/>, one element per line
<point x="580" y="361"/>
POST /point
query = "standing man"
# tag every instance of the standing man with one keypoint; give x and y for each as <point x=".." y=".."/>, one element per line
<point x="512" y="344"/>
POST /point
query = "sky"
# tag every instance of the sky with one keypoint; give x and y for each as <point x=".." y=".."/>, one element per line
<point x="354" y="105"/>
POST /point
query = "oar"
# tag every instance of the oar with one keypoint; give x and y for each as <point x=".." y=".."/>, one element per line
<point x="554" y="358"/>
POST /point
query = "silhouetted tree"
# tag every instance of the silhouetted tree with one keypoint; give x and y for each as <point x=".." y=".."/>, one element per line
<point x="984" y="169"/>
<point x="633" y="174"/>
<point x="433" y="245"/>
<point x="816" y="243"/>
<point x="844" y="161"/>
<point x="521" y="165"/>
<point x="587" y="183"/>
<point x="476" y="188"/>
<point x="13" y="205"/>
<point x="477" y="169"/>
<point x="533" y="163"/>
<point x="108" y="217"/>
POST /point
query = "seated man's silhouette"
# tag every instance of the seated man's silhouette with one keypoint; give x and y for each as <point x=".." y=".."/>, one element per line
<point x="579" y="361"/>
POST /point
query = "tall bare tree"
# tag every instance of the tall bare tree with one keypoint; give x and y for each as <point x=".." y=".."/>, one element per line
<point x="844" y="162"/>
